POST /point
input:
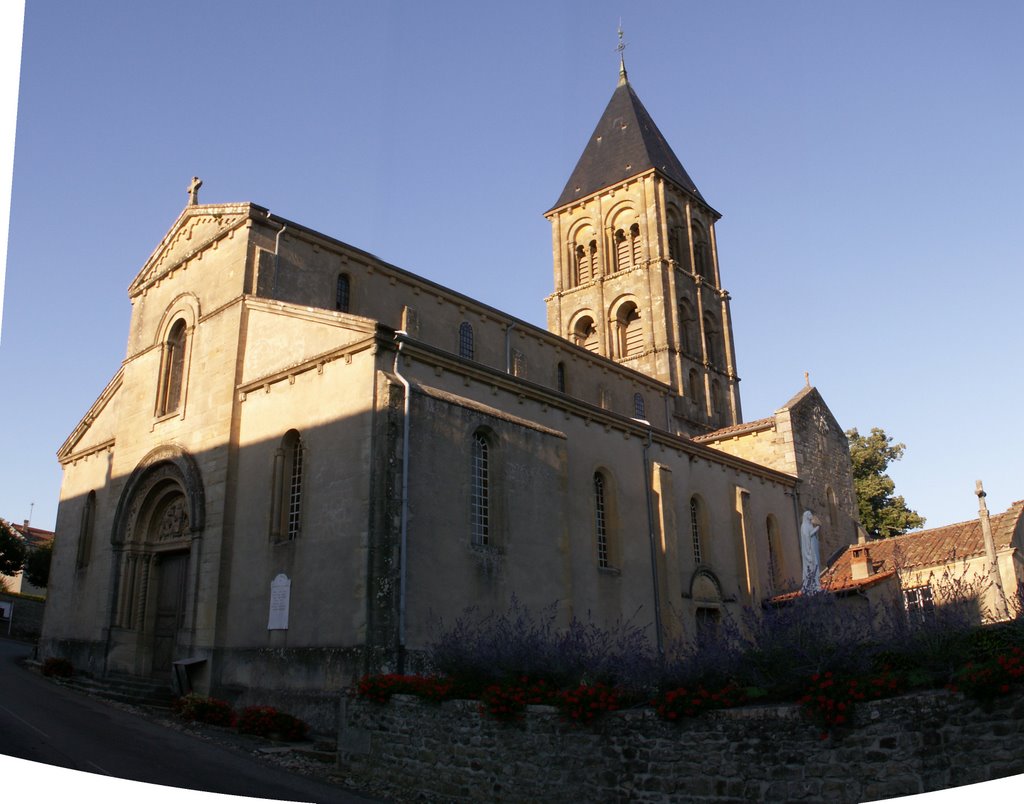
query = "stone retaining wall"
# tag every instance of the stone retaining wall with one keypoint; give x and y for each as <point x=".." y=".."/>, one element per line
<point x="28" y="617"/>
<point x="913" y="744"/>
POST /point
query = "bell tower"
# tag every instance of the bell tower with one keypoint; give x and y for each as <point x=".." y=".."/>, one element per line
<point x="636" y="266"/>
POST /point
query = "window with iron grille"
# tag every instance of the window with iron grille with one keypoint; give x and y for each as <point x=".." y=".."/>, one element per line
<point x="480" y="491"/>
<point x="294" y="488"/>
<point x="341" y="298"/>
<point x="600" y="523"/>
<point x="695" y="529"/>
<point x="639" y="407"/>
<point x="466" y="340"/>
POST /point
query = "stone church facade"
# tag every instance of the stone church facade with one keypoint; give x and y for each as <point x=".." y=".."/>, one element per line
<point x="309" y="457"/>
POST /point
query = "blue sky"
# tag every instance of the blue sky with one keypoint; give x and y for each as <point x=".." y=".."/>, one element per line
<point x="866" y="158"/>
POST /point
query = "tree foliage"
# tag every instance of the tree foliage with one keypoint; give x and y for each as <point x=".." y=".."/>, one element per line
<point x="37" y="565"/>
<point x="12" y="550"/>
<point x="882" y="513"/>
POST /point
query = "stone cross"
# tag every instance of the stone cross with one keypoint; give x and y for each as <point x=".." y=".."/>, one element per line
<point x="193" y="191"/>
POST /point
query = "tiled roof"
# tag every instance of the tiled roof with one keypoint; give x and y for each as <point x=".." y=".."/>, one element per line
<point x="34" y="537"/>
<point x="927" y="548"/>
<point x="625" y="143"/>
<point x="736" y="429"/>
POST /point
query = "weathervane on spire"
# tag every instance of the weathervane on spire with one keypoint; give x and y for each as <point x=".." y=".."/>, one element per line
<point x="622" y="59"/>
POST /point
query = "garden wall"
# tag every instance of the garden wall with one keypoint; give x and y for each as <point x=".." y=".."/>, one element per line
<point x="27" y="621"/>
<point x="902" y="746"/>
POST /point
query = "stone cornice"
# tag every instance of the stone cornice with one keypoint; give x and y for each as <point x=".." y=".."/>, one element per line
<point x="528" y="391"/>
<point x="65" y="454"/>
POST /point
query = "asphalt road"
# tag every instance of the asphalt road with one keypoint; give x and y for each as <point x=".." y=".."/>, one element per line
<point x="44" y="723"/>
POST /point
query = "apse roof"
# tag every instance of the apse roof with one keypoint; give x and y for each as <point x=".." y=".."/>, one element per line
<point x="625" y="143"/>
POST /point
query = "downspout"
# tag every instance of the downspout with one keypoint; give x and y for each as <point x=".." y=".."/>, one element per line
<point x="654" y="549"/>
<point x="404" y="516"/>
<point x="277" y="257"/>
<point x="508" y="347"/>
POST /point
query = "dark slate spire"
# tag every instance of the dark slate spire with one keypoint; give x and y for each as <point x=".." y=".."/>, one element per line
<point x="625" y="143"/>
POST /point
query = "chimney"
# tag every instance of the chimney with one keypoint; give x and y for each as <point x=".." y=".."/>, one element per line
<point x="860" y="562"/>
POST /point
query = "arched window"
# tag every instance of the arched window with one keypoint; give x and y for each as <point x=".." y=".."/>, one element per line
<point x="518" y="363"/>
<point x="833" y="508"/>
<point x="584" y="334"/>
<point x="480" y="491"/>
<point x="86" y="530"/>
<point x="560" y="377"/>
<point x="701" y="252"/>
<point x="600" y="521"/>
<point x="676" y="239"/>
<point x="622" y="250"/>
<point x="466" y="340"/>
<point x="687" y="318"/>
<point x="341" y="297"/>
<point x="172" y="379"/>
<point x="775" y="569"/>
<point x="634" y="241"/>
<point x="639" y="408"/>
<point x="631" y="330"/>
<point x="286" y="514"/>
<point x="693" y="387"/>
<point x="716" y="398"/>
<point x="584" y="262"/>
<point x="582" y="268"/>
<point x="711" y="343"/>
<point x="604" y="397"/>
<point x="697" y="530"/>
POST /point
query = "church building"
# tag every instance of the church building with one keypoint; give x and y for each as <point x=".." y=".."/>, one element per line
<point x="310" y="457"/>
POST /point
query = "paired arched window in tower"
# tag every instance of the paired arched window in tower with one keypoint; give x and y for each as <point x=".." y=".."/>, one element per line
<point x="466" y="340"/>
<point x="627" y="247"/>
<point x="342" y="293"/>
<point x="712" y="343"/>
<point x="701" y="251"/>
<point x="677" y="245"/>
<point x="584" y="333"/>
<point x="286" y="513"/>
<point x="693" y="386"/>
<point x="631" y="331"/>
<point x="687" y="324"/>
<point x="480" y="490"/>
<point x="585" y="262"/>
<point x="716" y="398"/>
<point x="172" y="377"/>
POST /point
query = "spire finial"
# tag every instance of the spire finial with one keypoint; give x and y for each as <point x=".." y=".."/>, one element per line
<point x="623" y="78"/>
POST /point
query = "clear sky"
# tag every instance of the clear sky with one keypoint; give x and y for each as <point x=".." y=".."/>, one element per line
<point x="867" y="159"/>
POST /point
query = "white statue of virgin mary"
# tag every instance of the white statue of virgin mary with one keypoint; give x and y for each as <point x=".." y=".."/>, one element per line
<point x="810" y="554"/>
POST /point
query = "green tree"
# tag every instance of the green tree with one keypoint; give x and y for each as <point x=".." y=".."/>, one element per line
<point x="37" y="565"/>
<point x="12" y="550"/>
<point x="882" y="513"/>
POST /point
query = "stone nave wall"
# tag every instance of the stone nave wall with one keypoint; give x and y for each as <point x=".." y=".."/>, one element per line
<point x="903" y="746"/>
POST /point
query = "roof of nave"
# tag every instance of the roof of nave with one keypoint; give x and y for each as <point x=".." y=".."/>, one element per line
<point x="625" y="143"/>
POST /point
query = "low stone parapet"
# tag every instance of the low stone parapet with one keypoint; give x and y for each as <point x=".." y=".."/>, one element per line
<point x="900" y="746"/>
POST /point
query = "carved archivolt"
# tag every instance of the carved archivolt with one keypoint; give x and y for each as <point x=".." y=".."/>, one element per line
<point x="163" y="499"/>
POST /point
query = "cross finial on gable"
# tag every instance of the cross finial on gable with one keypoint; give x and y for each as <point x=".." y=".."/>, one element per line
<point x="193" y="191"/>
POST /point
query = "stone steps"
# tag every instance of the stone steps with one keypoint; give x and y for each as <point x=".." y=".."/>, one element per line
<point x="126" y="689"/>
